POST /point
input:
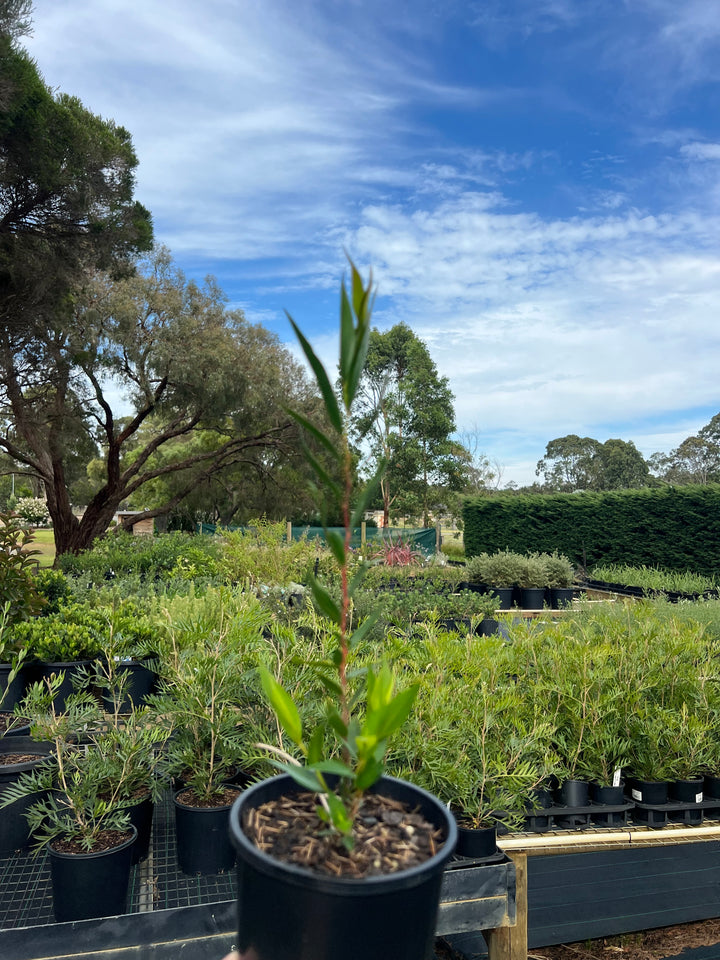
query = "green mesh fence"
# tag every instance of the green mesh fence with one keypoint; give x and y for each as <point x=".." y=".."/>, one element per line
<point x="422" y="538"/>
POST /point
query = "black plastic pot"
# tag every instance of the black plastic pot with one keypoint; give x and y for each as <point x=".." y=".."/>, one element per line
<point x="608" y="795"/>
<point x="574" y="793"/>
<point x="687" y="791"/>
<point x="11" y="693"/>
<point x="37" y="672"/>
<point x="478" y="843"/>
<point x="14" y="830"/>
<point x="19" y="731"/>
<point x="140" y="683"/>
<point x="324" y="918"/>
<point x="560" y="597"/>
<point x="532" y="598"/>
<point x="89" y="885"/>
<point x="505" y="596"/>
<point x="711" y="786"/>
<point x="141" y="817"/>
<point x="203" y="843"/>
<point x="649" y="791"/>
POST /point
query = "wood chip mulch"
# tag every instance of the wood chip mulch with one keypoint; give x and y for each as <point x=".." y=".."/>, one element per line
<point x="10" y="759"/>
<point x="388" y="837"/>
<point x="647" y="945"/>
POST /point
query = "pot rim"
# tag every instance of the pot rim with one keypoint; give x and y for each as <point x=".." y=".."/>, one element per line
<point x="190" y="806"/>
<point x="349" y="886"/>
<point x="94" y="854"/>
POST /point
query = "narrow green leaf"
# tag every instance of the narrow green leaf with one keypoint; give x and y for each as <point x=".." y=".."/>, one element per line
<point x="391" y="717"/>
<point x="339" y="815"/>
<point x="368" y="493"/>
<point x="336" y="722"/>
<point x="306" y="778"/>
<point x="367" y="625"/>
<point x="315" y="747"/>
<point x="337" y="767"/>
<point x="329" y="444"/>
<point x="337" y="544"/>
<point x="369" y="775"/>
<point x="323" y="381"/>
<point x="330" y="485"/>
<point x="283" y="706"/>
<point x="331" y="685"/>
<point x="324" y="601"/>
<point x="347" y="337"/>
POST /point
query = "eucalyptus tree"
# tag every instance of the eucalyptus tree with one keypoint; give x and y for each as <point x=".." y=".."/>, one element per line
<point x="406" y="418"/>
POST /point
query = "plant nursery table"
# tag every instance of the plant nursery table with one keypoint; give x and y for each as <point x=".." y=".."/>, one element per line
<point x="173" y="915"/>
<point x="579" y="885"/>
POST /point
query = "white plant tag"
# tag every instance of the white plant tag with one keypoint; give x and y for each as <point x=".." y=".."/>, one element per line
<point x="637" y="795"/>
<point x="616" y="777"/>
<point x="698" y="797"/>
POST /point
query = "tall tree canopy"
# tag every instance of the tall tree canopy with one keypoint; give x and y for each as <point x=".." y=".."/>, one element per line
<point x="695" y="460"/>
<point x="159" y="377"/>
<point x="583" y="463"/>
<point x="406" y="418"/>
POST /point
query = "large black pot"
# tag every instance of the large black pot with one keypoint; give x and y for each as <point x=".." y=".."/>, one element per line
<point x="141" y="681"/>
<point x="89" y="885"/>
<point x="505" y="596"/>
<point x="11" y="691"/>
<point x="203" y="842"/>
<point x="325" y="918"/>
<point x="39" y="672"/>
<point x="653" y="792"/>
<point x="687" y="791"/>
<point x="560" y="597"/>
<point x="14" y="830"/>
<point x="573" y="793"/>
<point x="532" y="598"/>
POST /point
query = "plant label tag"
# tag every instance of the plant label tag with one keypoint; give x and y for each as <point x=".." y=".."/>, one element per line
<point x="637" y="795"/>
<point x="698" y="797"/>
<point x="616" y="777"/>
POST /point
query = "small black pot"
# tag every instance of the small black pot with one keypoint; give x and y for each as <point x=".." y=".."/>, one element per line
<point x="711" y="786"/>
<point x="326" y="918"/>
<point x="89" y="885"/>
<point x="478" y="843"/>
<point x="141" y="817"/>
<point x="608" y="795"/>
<point x="653" y="792"/>
<point x="560" y="597"/>
<point x="14" y="830"/>
<point x="687" y="791"/>
<point x="574" y="793"/>
<point x="203" y="842"/>
<point x="23" y="731"/>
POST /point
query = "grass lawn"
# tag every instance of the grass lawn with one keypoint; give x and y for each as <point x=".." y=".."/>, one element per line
<point x="44" y="541"/>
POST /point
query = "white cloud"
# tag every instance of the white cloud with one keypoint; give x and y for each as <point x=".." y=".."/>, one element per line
<point x="701" y="151"/>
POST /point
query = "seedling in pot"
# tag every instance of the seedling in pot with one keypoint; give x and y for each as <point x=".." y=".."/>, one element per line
<point x="362" y="734"/>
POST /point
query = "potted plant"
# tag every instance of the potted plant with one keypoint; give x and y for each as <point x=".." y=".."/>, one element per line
<point x="501" y="571"/>
<point x="204" y="670"/>
<point x="560" y="576"/>
<point x="532" y="580"/>
<point x="365" y="858"/>
<point x="78" y="807"/>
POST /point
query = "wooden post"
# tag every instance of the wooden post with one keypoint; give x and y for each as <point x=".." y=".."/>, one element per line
<point x="510" y="943"/>
<point x="289" y="531"/>
<point x="363" y="533"/>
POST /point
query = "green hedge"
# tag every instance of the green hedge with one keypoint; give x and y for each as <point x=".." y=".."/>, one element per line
<point x="672" y="528"/>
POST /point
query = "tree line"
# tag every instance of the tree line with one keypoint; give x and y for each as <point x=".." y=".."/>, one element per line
<point x="582" y="463"/>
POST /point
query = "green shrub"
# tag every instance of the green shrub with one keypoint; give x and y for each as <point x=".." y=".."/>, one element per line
<point x="18" y="587"/>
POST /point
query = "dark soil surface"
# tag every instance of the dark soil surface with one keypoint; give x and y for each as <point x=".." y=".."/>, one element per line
<point x="105" y="841"/>
<point x="223" y="799"/>
<point x="648" y="945"/>
<point x="387" y="836"/>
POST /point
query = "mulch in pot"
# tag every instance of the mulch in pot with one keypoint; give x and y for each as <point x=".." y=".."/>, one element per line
<point x="388" y="836"/>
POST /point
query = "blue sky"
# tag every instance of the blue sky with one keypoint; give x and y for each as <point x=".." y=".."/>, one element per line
<point x="535" y="183"/>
